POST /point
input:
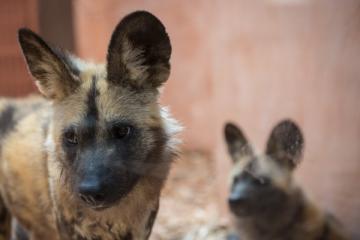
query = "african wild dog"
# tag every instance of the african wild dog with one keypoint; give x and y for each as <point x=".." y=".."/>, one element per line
<point x="89" y="160"/>
<point x="265" y="201"/>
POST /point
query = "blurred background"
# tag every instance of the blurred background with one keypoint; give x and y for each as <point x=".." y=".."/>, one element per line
<point x="253" y="62"/>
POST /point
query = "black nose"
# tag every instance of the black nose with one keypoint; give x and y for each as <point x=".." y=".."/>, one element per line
<point x="233" y="202"/>
<point x="235" y="199"/>
<point x="91" y="192"/>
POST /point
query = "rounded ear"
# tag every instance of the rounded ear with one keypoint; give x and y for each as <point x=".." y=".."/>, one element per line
<point x="285" y="144"/>
<point x="237" y="144"/>
<point x="139" y="52"/>
<point x="52" y="75"/>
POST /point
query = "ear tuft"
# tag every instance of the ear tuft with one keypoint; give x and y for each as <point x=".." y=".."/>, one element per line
<point x="139" y="52"/>
<point x="285" y="144"/>
<point x="238" y="145"/>
<point x="51" y="74"/>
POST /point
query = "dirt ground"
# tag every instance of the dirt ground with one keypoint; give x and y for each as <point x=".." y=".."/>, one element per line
<point x="188" y="206"/>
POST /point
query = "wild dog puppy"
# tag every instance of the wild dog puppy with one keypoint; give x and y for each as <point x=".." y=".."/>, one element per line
<point x="265" y="201"/>
<point x="89" y="160"/>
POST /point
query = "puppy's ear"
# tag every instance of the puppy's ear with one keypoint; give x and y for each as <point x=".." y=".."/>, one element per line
<point x="139" y="52"/>
<point x="237" y="144"/>
<point x="285" y="144"/>
<point x="52" y="75"/>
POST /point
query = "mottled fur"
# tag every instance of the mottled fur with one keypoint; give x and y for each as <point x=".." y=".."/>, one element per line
<point x="99" y="122"/>
<point x="265" y="201"/>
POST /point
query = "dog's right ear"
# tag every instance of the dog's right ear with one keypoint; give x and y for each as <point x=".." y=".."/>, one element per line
<point x="52" y="76"/>
<point x="285" y="144"/>
<point x="139" y="52"/>
<point x="237" y="144"/>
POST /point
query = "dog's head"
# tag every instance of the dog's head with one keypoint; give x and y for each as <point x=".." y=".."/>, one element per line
<point x="260" y="183"/>
<point x="107" y="131"/>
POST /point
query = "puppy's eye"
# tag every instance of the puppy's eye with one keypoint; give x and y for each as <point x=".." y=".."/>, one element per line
<point x="121" y="132"/>
<point x="71" y="137"/>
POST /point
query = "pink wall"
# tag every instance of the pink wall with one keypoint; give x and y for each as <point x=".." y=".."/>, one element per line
<point x="14" y="79"/>
<point x="299" y="61"/>
<point x="256" y="62"/>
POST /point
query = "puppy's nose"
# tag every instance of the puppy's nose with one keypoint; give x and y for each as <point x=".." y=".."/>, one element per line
<point x="91" y="191"/>
<point x="234" y="201"/>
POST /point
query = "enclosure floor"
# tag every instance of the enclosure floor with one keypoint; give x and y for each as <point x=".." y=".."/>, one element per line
<point x="188" y="206"/>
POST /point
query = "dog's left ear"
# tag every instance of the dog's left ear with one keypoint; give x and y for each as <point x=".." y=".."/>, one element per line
<point x="139" y="52"/>
<point x="285" y="144"/>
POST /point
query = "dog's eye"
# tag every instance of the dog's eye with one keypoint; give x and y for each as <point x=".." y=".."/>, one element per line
<point x="71" y="137"/>
<point x="121" y="132"/>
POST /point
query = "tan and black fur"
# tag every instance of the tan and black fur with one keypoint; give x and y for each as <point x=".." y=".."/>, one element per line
<point x="88" y="161"/>
<point x="264" y="200"/>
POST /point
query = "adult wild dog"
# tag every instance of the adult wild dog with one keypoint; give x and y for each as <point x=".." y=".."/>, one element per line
<point x="265" y="201"/>
<point x="89" y="162"/>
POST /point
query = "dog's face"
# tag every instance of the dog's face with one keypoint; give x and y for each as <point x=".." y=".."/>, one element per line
<point x="261" y="183"/>
<point x="106" y="130"/>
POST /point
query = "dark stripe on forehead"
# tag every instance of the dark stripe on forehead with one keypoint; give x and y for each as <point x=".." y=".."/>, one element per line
<point x="92" y="111"/>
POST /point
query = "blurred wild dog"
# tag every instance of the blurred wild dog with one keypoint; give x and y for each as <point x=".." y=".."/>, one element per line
<point x="265" y="201"/>
<point x="89" y="161"/>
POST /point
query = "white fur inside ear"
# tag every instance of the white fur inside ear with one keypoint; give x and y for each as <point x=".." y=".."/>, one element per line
<point x="45" y="90"/>
<point x="172" y="129"/>
<point x="48" y="84"/>
<point x="134" y="61"/>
